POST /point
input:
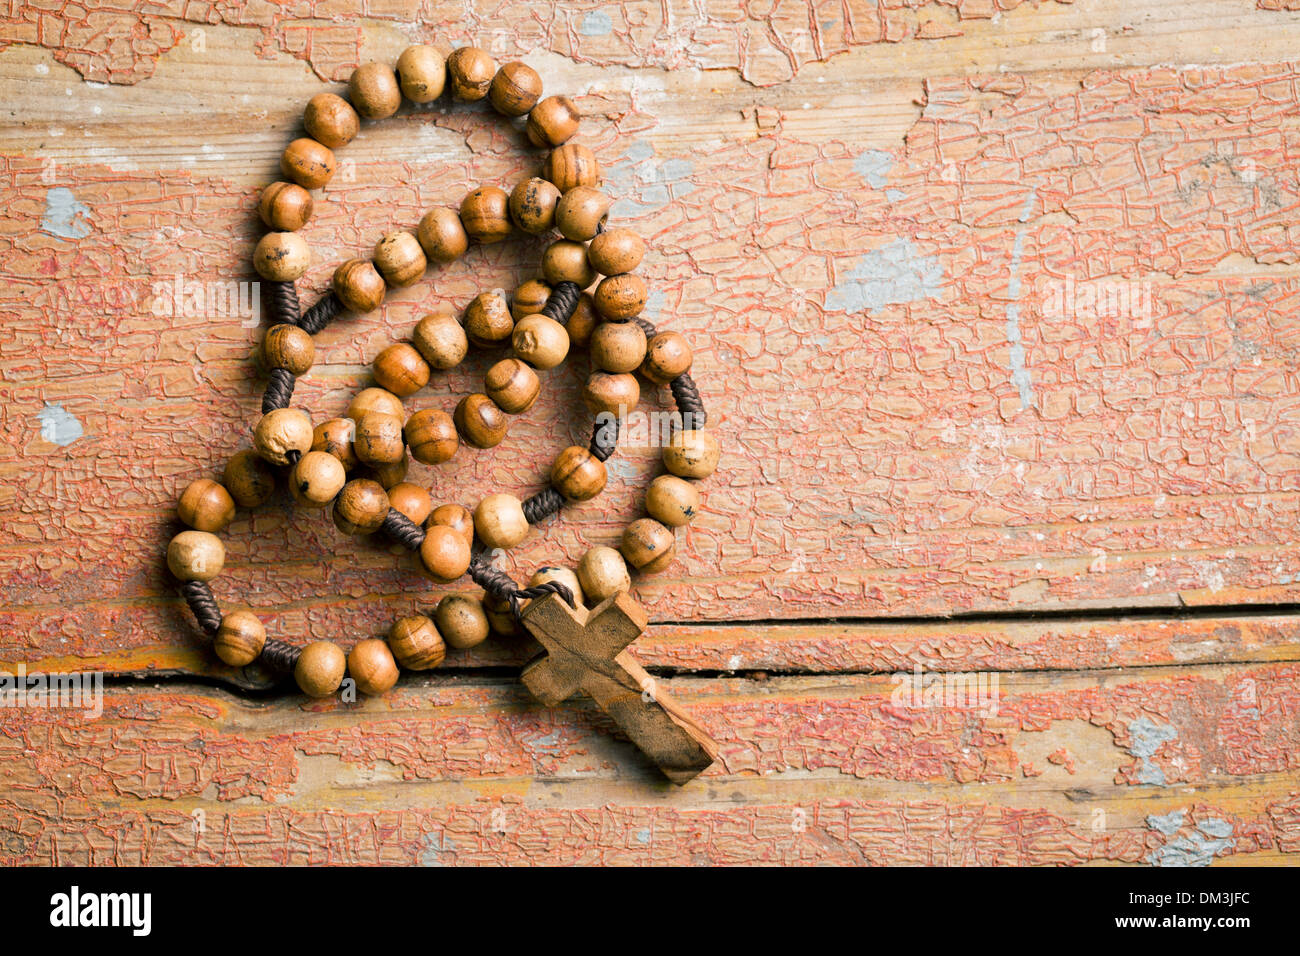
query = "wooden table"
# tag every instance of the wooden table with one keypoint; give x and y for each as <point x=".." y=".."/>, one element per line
<point x="887" y="228"/>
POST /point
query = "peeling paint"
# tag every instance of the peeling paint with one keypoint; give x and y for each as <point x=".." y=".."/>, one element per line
<point x="596" y="23"/>
<point x="894" y="274"/>
<point x="63" y="215"/>
<point x="1019" y="374"/>
<point x="874" y="165"/>
<point x="58" y="425"/>
<point x="1148" y="737"/>
<point x="1196" y="846"/>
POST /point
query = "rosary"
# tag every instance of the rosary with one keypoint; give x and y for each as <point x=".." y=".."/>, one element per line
<point x="357" y="465"/>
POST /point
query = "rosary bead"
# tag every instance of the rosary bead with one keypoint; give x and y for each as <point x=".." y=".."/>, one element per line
<point x="320" y="668"/>
<point x="667" y="356"/>
<point x="316" y="479"/>
<point x="648" y="545"/>
<point x="469" y="72"/>
<point x="240" y="638"/>
<point x="485" y="214"/>
<point x="285" y="207"/>
<point x="391" y="474"/>
<point x="540" y="341"/>
<point x="456" y="517"/>
<point x="331" y="120"/>
<point x="308" y="163"/>
<point x="578" y="474"/>
<point x="549" y="573"/>
<point x="621" y="297"/>
<point x="570" y="166"/>
<point x="500" y="616"/>
<point x="615" y="252"/>
<point x="692" y="453"/>
<point x="281" y="256"/>
<point x="416" y="643"/>
<point x="375" y="400"/>
<point x="444" y="553"/>
<point x="421" y="73"/>
<point x="515" y="89"/>
<point x="441" y="340"/>
<point x="513" y="385"/>
<point x="566" y="261"/>
<point x="672" y="500"/>
<point x="401" y="369"/>
<point x="196" y="556"/>
<point x="442" y="235"/>
<point x="603" y="573"/>
<point x="335" y="438"/>
<point x="532" y="205"/>
<point x="480" y="421"/>
<point x="360" y="507"/>
<point x="488" y="321"/>
<point x="371" y="665"/>
<point x="374" y="91"/>
<point x="461" y="620"/>
<point x="582" y="213"/>
<point x="431" y="435"/>
<point x="499" y="521"/>
<point x="529" y="299"/>
<point x="552" y="121"/>
<point x="611" y="393"/>
<point x="379" y="439"/>
<point x="359" y="285"/>
<point x="249" y="478"/>
<point x="617" y="346"/>
<point x="281" y="431"/>
<point x="205" y="505"/>
<point x="400" y="259"/>
<point x="288" y="347"/>
<point x="411" y="500"/>
<point x="585" y="318"/>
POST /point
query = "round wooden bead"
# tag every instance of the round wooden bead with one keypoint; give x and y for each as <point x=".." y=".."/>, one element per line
<point x="281" y="431"/>
<point x="441" y="340"/>
<point x="400" y="259"/>
<point x="540" y="341"/>
<point x="582" y="213"/>
<point x="416" y="643"/>
<point x="281" y="256"/>
<point x="411" y="500"/>
<point x="566" y="261"/>
<point x="488" y="321"/>
<point x="316" y="479"/>
<point x="456" y="517"/>
<point x="578" y="474"/>
<point x="374" y="91"/>
<point x="401" y="369"/>
<point x="285" y="207"/>
<point x="461" y="620"/>
<point x="359" y="285"/>
<point x="421" y="73"/>
<point x="249" y="478"/>
<point x="570" y="166"/>
<point x="444" y="553"/>
<point x="648" y="545"/>
<point x="621" y="297"/>
<point x="532" y="205"/>
<point x="485" y="214"/>
<point x="515" y="89"/>
<point x="692" y="453"/>
<point x="335" y="438"/>
<point x="584" y="320"/>
<point x="603" y="573"/>
<point x="288" y="347"/>
<point x="196" y="556"/>
<point x="442" y="235"/>
<point x="549" y="573"/>
<point x="240" y="638"/>
<point x="360" y="507"/>
<point x="529" y="299"/>
<point x="205" y="505"/>
<point x="308" y="163"/>
<point x="611" y="393"/>
<point x="553" y="121"/>
<point x="500" y="616"/>
<point x="331" y="120"/>
<point x="672" y="501"/>
<point x="393" y="473"/>
<point x="667" y="356"/>
<point x="480" y="421"/>
<point x="469" y="73"/>
<point x="378" y="440"/>
<point x="616" y="251"/>
<point x="320" y="669"/>
<point x="371" y="665"/>
<point x="617" y="346"/>
<point x="499" y="521"/>
<point x="375" y="400"/>
<point x="513" y="385"/>
<point x="431" y="435"/>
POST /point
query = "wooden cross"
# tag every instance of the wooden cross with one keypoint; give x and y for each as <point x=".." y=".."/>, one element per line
<point x="585" y="651"/>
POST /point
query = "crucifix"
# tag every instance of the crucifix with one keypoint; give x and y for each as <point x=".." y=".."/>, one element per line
<point x="586" y="651"/>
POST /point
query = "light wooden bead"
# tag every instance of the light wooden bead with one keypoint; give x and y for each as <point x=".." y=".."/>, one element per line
<point x="441" y="340"/>
<point x="672" y="501"/>
<point x="540" y="341"/>
<point x="513" y="385"/>
<point x="281" y="431"/>
<point x="320" y="669"/>
<point x="285" y="207"/>
<point x="288" y="347"/>
<point x="461" y="621"/>
<point x="196" y="556"/>
<point x="331" y="120"/>
<point x="692" y="453"/>
<point x="617" y="346"/>
<point x="375" y="400"/>
<point x="480" y="421"/>
<point x="667" y="356"/>
<point x="611" y="393"/>
<point x="442" y="235"/>
<point x="553" y="121"/>
<point x="488" y="321"/>
<point x="240" y="638"/>
<point x="485" y="214"/>
<point x="416" y="643"/>
<point x="566" y="261"/>
<point x="316" y="479"/>
<point x="421" y="73"/>
<point x="401" y="369"/>
<point x="584" y="320"/>
<point x="499" y="521"/>
<point x="603" y="573"/>
<point x="648" y="545"/>
<point x="444" y="553"/>
<point x="501" y="617"/>
<point x="335" y="438"/>
<point x="549" y="573"/>
<point x="621" y="297"/>
<point x="359" y="285"/>
<point x="308" y="163"/>
<point x="281" y="256"/>
<point x="249" y="478"/>
<point x="411" y="500"/>
<point x="431" y="435"/>
<point x="205" y="505"/>
<point x="399" y="257"/>
<point x="360" y="507"/>
<point x="532" y="205"/>
<point x="581" y="213"/>
<point x="391" y="474"/>
<point x="371" y="665"/>
<point x="529" y="299"/>
<point x="615" y="252"/>
<point x="570" y="166"/>
<point x="578" y="474"/>
<point x="374" y="91"/>
<point x="379" y="439"/>
<point x="456" y="517"/>
<point x="469" y="73"/>
<point x="515" y="89"/>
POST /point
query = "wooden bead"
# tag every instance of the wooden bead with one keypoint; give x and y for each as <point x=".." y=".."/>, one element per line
<point x="501" y="617"/>
<point x="442" y="235"/>
<point x="444" y="553"/>
<point x="611" y="393"/>
<point x="360" y="507"/>
<point x="529" y="299"/>
<point x="469" y="73"/>
<point x="461" y="621"/>
<point x="582" y="213"/>
<point x="320" y="669"/>
<point x="616" y="251"/>
<point x="499" y="521"/>
<point x="692" y="453"/>
<point x="549" y="573"/>
<point x="570" y="166"/>
<point x="285" y="207"/>
<point x="456" y="517"/>
<point x="603" y="573"/>
<point x="617" y="346"/>
<point x="515" y="89"/>
<point x="648" y="545"/>
<point x="578" y="474"/>
<point x="441" y="340"/>
<point x="488" y="321"/>
<point x="335" y="438"/>
<point x="288" y="347"/>
<point x="513" y="385"/>
<point x="421" y="73"/>
<point x="281" y="256"/>
<point x="411" y="500"/>
<point x="374" y="91"/>
<point x="359" y="285"/>
<point x="667" y="356"/>
<point x="316" y="479"/>
<point x="399" y="257"/>
<point x="584" y="320"/>
<point x="378" y="440"/>
<point x="308" y="163"/>
<point x="416" y="643"/>
<point x="331" y="120"/>
<point x="393" y="473"/>
<point x="205" y="505"/>
<point x="553" y="121"/>
<point x="196" y="556"/>
<point x="240" y="638"/>
<point x="371" y="665"/>
<point x="540" y="341"/>
<point x="485" y="214"/>
<point x="375" y="400"/>
<point x="401" y="369"/>
<point x="480" y="421"/>
<point x="532" y="205"/>
<point x="249" y="478"/>
<point x="566" y="261"/>
<point x="281" y="431"/>
<point x="672" y="501"/>
<point x="621" y="297"/>
<point x="431" y="435"/>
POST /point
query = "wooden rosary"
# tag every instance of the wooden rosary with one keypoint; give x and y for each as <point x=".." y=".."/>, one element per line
<point x="583" y="650"/>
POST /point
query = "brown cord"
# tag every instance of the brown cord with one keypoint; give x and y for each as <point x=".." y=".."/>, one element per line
<point x="501" y="586"/>
<point x="688" y="400"/>
<point x="604" y="439"/>
<point x="204" y="605"/>
<point x="543" y="504"/>
<point x="562" y="301"/>
<point x="279" y="390"/>
<point x="280" y="655"/>
<point x="326" y="310"/>
<point x="283" y="300"/>
<point x="402" y="530"/>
